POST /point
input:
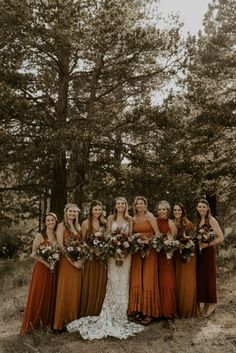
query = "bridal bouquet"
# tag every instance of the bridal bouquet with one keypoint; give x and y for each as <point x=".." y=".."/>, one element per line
<point x="48" y="252"/>
<point x="169" y="245"/>
<point x="119" y="244"/>
<point x="141" y="244"/>
<point x="96" y="247"/>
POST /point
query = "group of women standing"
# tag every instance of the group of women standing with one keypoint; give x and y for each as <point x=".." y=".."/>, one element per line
<point x="114" y="301"/>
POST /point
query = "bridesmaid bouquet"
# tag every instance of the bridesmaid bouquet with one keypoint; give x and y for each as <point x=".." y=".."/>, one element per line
<point x="156" y="243"/>
<point x="186" y="248"/>
<point x="169" y="245"/>
<point x="205" y="235"/>
<point x="96" y="247"/>
<point x="74" y="248"/>
<point x="49" y="253"/>
<point x="140" y="244"/>
<point x="119" y="243"/>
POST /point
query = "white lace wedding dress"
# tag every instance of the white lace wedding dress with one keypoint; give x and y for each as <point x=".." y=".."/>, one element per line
<point x="112" y="320"/>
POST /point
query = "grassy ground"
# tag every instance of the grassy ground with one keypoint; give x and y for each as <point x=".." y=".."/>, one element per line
<point x="204" y="335"/>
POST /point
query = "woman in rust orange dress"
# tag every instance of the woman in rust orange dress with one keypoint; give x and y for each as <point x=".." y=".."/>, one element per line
<point x="95" y="273"/>
<point x="166" y="272"/>
<point x="206" y="261"/>
<point x="39" y="311"/>
<point x="69" y="271"/>
<point x="144" y="299"/>
<point x="185" y="270"/>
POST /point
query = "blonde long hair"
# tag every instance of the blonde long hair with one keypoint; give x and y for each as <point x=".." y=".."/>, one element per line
<point x="165" y="204"/>
<point x="75" y="221"/>
<point x="135" y="202"/>
<point x="126" y="215"/>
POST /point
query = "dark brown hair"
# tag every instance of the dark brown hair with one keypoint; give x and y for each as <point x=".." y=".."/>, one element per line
<point x="101" y="219"/>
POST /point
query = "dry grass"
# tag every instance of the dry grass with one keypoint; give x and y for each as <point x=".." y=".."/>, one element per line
<point x="215" y="334"/>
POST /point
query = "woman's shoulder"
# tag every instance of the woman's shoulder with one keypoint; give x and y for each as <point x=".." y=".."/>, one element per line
<point x="150" y="216"/>
<point x="38" y="237"/>
<point x="171" y="221"/>
<point x="130" y="219"/>
<point x="189" y="224"/>
<point x="212" y="220"/>
<point x="85" y="222"/>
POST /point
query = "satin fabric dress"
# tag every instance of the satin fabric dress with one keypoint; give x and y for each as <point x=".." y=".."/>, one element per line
<point x="166" y="273"/>
<point x="69" y="287"/>
<point x="186" y="281"/>
<point x="94" y="287"/>
<point x="206" y="273"/>
<point x="39" y="310"/>
<point x="144" y="291"/>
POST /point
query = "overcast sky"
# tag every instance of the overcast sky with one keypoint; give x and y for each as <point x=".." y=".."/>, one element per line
<point x="191" y="12"/>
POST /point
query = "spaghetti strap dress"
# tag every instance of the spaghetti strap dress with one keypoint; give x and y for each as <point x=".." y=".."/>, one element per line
<point x="69" y="287"/>
<point x="39" y="311"/>
<point x="167" y="281"/>
<point x="94" y="287"/>
<point x="144" y="292"/>
<point x="206" y="273"/>
<point x="186" y="282"/>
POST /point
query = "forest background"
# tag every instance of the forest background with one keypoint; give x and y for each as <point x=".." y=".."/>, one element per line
<point x="101" y="98"/>
<point x="80" y="116"/>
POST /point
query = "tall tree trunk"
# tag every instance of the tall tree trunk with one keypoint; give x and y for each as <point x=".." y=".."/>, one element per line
<point x="59" y="182"/>
<point x="212" y="203"/>
<point x="59" y="186"/>
<point x="83" y="156"/>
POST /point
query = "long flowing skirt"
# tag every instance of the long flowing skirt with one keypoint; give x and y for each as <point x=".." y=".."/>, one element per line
<point x="68" y="294"/>
<point x="112" y="320"/>
<point x="185" y="286"/>
<point x="94" y="288"/>
<point x="206" y="276"/>
<point x="144" y="293"/>
<point x="39" y="311"/>
<point x="167" y="285"/>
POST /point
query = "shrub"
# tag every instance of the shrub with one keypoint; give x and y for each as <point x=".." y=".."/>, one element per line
<point x="9" y="245"/>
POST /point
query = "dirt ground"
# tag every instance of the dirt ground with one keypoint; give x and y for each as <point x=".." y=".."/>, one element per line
<point x="216" y="334"/>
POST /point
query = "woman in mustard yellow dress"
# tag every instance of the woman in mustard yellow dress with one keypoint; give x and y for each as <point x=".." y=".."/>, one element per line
<point x="69" y="271"/>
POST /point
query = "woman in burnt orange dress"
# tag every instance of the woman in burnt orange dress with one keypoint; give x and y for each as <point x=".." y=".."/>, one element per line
<point x="166" y="272"/>
<point x="95" y="273"/>
<point x="206" y="261"/>
<point x="144" y="302"/>
<point x="39" y="311"/>
<point x="185" y="271"/>
<point x="69" y="271"/>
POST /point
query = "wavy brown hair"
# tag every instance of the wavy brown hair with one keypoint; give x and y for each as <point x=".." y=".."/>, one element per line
<point x="183" y="219"/>
<point x="208" y="214"/>
<point x="101" y="219"/>
<point x="44" y="230"/>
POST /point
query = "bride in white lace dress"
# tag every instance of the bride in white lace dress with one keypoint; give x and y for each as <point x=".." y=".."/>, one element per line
<point x="112" y="320"/>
